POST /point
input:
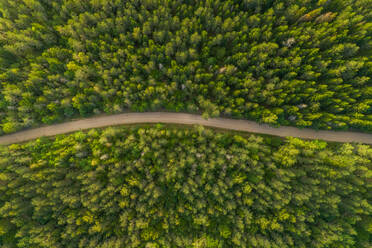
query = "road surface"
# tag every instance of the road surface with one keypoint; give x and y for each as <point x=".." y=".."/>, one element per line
<point x="182" y="118"/>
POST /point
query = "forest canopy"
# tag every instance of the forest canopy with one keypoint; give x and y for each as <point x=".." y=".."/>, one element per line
<point x="289" y="62"/>
<point x="161" y="186"/>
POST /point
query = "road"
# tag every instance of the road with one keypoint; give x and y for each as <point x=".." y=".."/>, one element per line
<point x="182" y="118"/>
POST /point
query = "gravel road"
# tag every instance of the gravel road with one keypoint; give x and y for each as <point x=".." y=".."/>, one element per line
<point x="182" y="118"/>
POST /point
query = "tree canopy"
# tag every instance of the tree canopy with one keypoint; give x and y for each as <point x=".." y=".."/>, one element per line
<point x="161" y="186"/>
<point x="291" y="62"/>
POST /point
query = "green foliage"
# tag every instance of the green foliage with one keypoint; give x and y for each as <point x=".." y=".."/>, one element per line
<point x="303" y="63"/>
<point x="166" y="187"/>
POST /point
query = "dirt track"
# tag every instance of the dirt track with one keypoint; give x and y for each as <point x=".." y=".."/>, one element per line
<point x="181" y="118"/>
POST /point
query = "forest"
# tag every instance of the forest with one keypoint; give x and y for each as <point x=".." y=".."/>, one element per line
<point x="164" y="186"/>
<point x="305" y="63"/>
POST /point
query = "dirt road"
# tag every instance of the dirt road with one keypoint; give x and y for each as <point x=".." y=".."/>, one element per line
<point x="181" y="118"/>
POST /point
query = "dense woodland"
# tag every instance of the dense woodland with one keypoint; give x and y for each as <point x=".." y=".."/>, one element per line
<point x="162" y="186"/>
<point x="291" y="62"/>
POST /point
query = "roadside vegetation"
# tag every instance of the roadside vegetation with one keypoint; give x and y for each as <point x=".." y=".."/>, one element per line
<point x="164" y="186"/>
<point x="290" y="62"/>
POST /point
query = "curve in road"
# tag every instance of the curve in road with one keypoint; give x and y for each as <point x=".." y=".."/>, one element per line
<point x="182" y="118"/>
